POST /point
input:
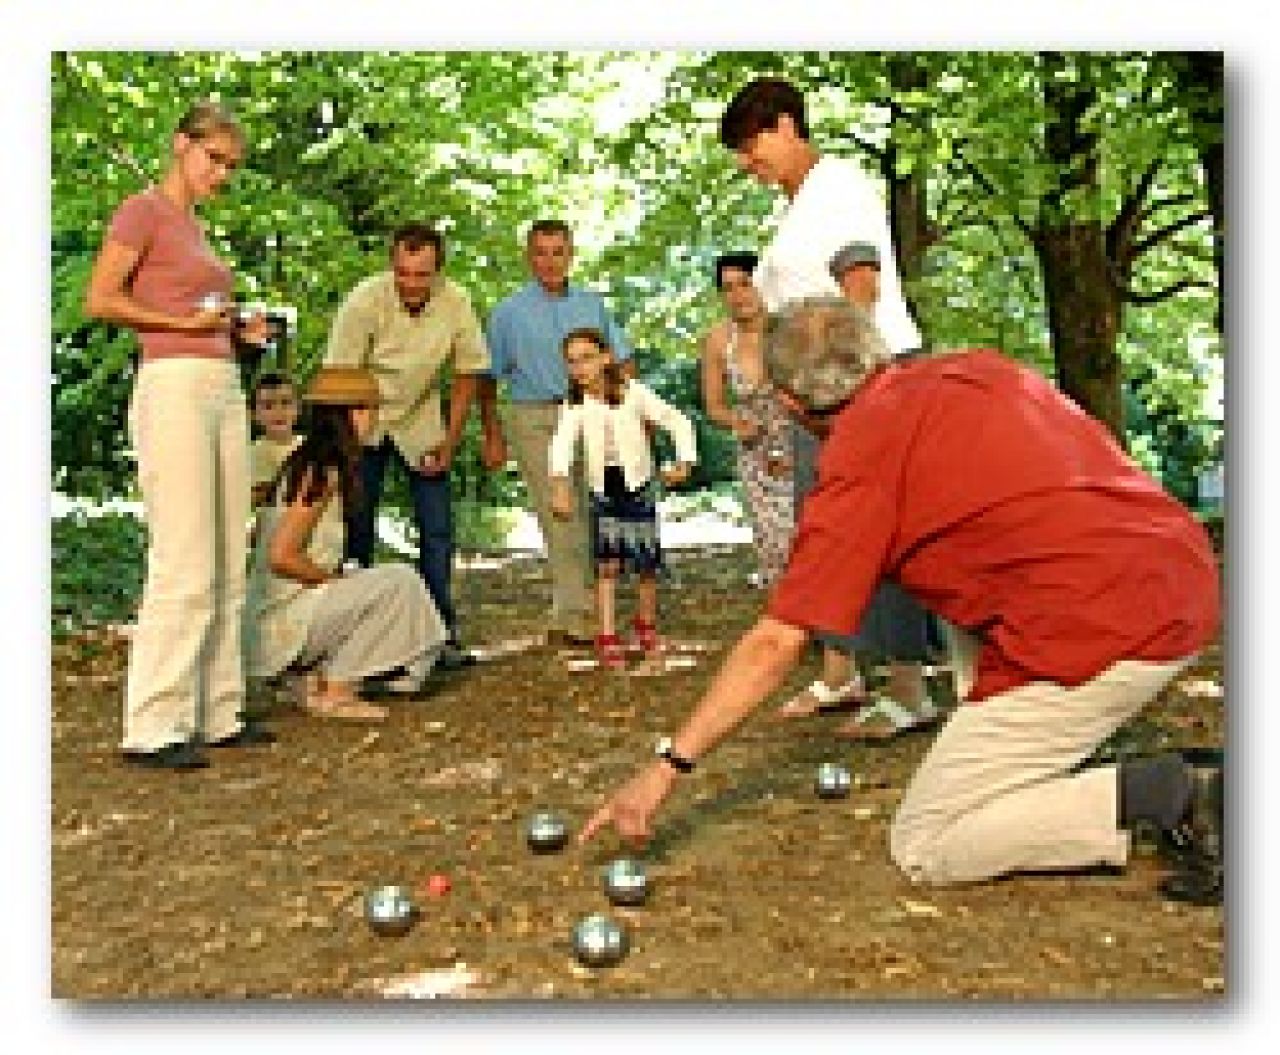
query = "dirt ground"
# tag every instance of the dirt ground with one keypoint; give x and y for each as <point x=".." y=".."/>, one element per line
<point x="245" y="879"/>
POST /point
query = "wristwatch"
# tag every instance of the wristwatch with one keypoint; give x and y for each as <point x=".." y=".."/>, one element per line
<point x="667" y="753"/>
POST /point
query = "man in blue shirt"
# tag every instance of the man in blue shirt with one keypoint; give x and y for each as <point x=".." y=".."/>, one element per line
<point x="525" y="332"/>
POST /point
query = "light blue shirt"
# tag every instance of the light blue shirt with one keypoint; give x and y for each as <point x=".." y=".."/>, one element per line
<point x="525" y="332"/>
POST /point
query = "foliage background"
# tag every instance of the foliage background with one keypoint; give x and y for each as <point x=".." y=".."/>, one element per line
<point x="623" y="146"/>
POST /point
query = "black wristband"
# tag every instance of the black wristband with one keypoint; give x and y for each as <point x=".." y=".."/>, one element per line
<point x="667" y="753"/>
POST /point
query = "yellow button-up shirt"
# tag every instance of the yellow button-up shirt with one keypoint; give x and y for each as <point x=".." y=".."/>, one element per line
<point x="407" y="355"/>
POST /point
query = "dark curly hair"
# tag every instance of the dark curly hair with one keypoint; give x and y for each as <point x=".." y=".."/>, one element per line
<point x="743" y="261"/>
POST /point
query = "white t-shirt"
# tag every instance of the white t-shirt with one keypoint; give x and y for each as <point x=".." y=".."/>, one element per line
<point x="836" y="204"/>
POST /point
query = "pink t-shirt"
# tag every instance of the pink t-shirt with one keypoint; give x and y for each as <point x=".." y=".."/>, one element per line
<point x="176" y="269"/>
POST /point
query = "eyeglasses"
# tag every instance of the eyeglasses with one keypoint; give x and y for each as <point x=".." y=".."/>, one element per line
<point x="227" y="162"/>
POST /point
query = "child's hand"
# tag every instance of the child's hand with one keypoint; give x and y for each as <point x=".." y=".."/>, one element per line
<point x="561" y="499"/>
<point x="745" y="431"/>
<point x="262" y="494"/>
<point x="675" y="473"/>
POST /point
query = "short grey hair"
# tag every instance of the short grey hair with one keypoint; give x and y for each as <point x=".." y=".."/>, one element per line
<point x="820" y="349"/>
<point x="852" y="255"/>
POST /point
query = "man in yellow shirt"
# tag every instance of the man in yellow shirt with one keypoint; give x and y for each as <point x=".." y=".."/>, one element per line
<point x="407" y="325"/>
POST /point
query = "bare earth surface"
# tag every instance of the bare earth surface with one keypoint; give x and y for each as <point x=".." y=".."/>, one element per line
<point x="245" y="879"/>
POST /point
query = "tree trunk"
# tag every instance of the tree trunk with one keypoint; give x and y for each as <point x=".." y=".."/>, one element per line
<point x="1083" y="300"/>
<point x="1084" y="320"/>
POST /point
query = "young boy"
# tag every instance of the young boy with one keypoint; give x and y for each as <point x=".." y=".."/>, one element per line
<point x="274" y="403"/>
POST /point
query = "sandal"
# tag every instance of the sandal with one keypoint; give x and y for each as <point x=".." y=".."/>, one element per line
<point x="610" y="653"/>
<point x="886" y="719"/>
<point x="353" y="709"/>
<point x="644" y="638"/>
<point x="849" y="698"/>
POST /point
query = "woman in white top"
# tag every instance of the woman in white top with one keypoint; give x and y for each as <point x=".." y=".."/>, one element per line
<point x="610" y="412"/>
<point x="306" y="614"/>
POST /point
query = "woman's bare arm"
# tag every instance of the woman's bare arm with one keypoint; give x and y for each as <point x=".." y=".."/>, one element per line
<point x="287" y="551"/>
<point x="107" y="297"/>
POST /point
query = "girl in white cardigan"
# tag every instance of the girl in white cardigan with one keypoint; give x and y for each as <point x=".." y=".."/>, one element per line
<point x="610" y="412"/>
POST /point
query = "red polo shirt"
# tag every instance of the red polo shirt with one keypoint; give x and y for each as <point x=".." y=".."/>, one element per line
<point x="1006" y="509"/>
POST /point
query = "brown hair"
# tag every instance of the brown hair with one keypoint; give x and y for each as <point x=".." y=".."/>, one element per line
<point x="416" y="236"/>
<point x="209" y="118"/>
<point x="757" y="107"/>
<point x="615" y="381"/>
<point x="549" y="227"/>
<point x="270" y="379"/>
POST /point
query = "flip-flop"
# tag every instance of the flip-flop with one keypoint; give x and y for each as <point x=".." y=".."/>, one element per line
<point x="849" y="698"/>
<point x="899" y="721"/>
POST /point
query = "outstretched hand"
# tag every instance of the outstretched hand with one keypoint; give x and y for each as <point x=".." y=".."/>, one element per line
<point x="436" y="462"/>
<point x="675" y="474"/>
<point x="631" y="808"/>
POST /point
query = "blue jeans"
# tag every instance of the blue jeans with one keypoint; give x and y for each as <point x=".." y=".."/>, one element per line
<point x="432" y="516"/>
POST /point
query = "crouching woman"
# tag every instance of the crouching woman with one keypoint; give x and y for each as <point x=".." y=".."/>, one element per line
<point x="308" y="618"/>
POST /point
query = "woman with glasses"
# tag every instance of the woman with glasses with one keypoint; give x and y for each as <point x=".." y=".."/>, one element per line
<point x="156" y="275"/>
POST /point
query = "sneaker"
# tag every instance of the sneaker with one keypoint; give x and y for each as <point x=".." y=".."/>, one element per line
<point x="609" y="652"/>
<point x="644" y="638"/>
<point x="182" y="755"/>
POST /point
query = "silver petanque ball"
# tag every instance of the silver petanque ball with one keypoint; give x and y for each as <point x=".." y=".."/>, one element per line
<point x="546" y="833"/>
<point x="626" y="882"/>
<point x="833" y="781"/>
<point x="599" y="942"/>
<point x="389" y="910"/>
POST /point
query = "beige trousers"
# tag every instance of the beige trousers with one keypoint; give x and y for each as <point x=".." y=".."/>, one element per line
<point x="189" y="427"/>
<point x="998" y="792"/>
<point x="530" y="427"/>
<point x="374" y="620"/>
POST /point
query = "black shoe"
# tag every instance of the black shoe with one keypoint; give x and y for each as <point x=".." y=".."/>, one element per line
<point x="184" y="755"/>
<point x="453" y="657"/>
<point x="251" y="734"/>
<point x="1195" y="847"/>
<point x="1194" y="886"/>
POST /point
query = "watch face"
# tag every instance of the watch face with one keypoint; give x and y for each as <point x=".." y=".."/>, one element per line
<point x="664" y="745"/>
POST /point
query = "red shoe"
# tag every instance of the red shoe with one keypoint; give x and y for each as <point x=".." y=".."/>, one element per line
<point x="644" y="637"/>
<point x="610" y="653"/>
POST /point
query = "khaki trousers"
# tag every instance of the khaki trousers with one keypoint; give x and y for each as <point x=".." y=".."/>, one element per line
<point x="530" y="427"/>
<point x="189" y="427"/>
<point x="374" y="620"/>
<point x="998" y="791"/>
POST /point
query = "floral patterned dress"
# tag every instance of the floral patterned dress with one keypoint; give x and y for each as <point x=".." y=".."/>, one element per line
<point x="764" y="465"/>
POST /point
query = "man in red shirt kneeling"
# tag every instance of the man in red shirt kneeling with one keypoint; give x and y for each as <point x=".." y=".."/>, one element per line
<point x="1084" y="587"/>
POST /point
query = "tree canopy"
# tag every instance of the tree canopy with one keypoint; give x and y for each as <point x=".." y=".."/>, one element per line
<point x="1065" y="207"/>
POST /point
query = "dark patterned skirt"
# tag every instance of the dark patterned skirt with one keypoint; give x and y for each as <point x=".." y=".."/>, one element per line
<point x="624" y="524"/>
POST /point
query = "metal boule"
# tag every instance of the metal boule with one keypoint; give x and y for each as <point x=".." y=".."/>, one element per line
<point x="389" y="910"/>
<point x="599" y="941"/>
<point x="546" y="833"/>
<point x="626" y="882"/>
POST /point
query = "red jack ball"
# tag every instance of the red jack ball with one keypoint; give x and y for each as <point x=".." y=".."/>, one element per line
<point x="438" y="885"/>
